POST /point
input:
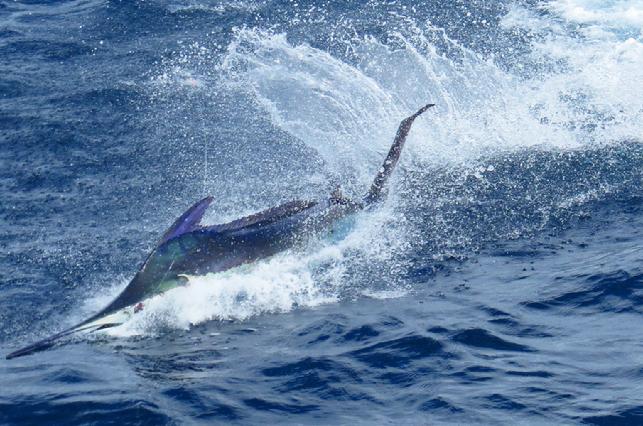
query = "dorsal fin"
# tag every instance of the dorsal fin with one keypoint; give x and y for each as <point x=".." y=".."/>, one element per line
<point x="264" y="217"/>
<point x="188" y="221"/>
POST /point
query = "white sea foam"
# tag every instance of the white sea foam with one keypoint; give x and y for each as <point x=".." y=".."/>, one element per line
<point x="613" y="13"/>
<point x="272" y="286"/>
<point x="597" y="65"/>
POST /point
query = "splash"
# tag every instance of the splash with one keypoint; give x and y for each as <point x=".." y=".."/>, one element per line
<point x="348" y="113"/>
<point x="581" y="88"/>
<point x="486" y="164"/>
<point x="276" y="285"/>
<point x="594" y="60"/>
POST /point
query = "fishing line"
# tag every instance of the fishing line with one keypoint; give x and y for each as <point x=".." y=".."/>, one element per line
<point x="205" y="171"/>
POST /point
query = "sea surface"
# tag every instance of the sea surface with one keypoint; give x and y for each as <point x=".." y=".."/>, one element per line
<point x="500" y="283"/>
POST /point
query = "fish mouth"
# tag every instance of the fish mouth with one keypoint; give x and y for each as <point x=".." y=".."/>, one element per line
<point x="108" y="321"/>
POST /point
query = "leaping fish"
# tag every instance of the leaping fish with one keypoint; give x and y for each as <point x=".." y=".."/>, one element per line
<point x="188" y="248"/>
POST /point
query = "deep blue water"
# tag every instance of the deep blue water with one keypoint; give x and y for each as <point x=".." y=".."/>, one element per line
<point x="501" y="283"/>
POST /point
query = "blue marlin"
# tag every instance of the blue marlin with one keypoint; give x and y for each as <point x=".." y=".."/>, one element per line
<point x="188" y="248"/>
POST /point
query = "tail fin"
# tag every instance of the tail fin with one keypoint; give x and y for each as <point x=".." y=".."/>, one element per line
<point x="378" y="188"/>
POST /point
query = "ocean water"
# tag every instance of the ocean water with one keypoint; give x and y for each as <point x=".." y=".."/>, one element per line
<point x="501" y="283"/>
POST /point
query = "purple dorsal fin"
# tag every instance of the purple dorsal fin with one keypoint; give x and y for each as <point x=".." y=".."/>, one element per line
<point x="188" y="221"/>
<point x="263" y="217"/>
